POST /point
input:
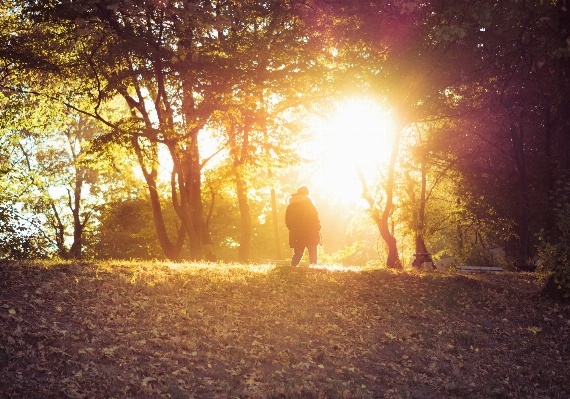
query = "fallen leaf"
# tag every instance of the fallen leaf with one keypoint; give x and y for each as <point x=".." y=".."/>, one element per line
<point x="534" y="330"/>
<point x="146" y="380"/>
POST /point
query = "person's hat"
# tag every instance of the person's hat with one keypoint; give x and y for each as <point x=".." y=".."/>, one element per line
<point x="303" y="190"/>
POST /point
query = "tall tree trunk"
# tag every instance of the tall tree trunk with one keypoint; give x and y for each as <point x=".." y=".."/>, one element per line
<point x="460" y="243"/>
<point x="275" y="224"/>
<point x="59" y="228"/>
<point x="239" y="153"/>
<point x="198" y="232"/>
<point x="171" y="250"/>
<point x="245" y="219"/>
<point x="274" y="212"/>
<point x="76" y="247"/>
<point x="393" y="260"/>
<point x="275" y="217"/>
<point x="550" y="171"/>
<point x="564" y="84"/>
<point x="197" y="206"/>
<point x="182" y="202"/>
<point x="422" y="253"/>
<point x="190" y="206"/>
<point x="517" y="139"/>
<point x="374" y="213"/>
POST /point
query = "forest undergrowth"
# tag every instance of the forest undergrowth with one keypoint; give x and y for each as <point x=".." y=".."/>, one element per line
<point x="160" y="330"/>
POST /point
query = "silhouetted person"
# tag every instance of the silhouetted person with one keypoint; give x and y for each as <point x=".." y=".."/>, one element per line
<point x="304" y="226"/>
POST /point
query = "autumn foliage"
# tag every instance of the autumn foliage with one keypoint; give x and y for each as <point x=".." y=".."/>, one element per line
<point x="161" y="330"/>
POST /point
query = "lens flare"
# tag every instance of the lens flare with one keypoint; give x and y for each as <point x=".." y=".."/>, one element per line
<point x="356" y="135"/>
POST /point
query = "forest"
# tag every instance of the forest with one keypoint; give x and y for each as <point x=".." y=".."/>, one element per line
<point x="148" y="153"/>
<point x="176" y="130"/>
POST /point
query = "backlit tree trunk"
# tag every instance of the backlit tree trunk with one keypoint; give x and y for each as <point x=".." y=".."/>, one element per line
<point x="239" y="154"/>
<point x="171" y="250"/>
<point x="393" y="260"/>
<point x="245" y="220"/>
<point x="275" y="221"/>
<point x="78" y="225"/>
<point x="422" y="253"/>
<point x="517" y="139"/>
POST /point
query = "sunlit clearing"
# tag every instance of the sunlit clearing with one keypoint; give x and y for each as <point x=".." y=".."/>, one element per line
<point x="357" y="134"/>
<point x="159" y="270"/>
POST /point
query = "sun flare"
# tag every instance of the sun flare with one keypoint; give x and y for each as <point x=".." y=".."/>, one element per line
<point x="356" y="135"/>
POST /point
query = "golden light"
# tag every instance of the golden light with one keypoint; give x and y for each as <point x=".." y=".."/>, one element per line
<point x="358" y="133"/>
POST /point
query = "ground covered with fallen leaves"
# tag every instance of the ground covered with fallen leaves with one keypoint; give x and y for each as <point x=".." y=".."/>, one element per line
<point x="157" y="330"/>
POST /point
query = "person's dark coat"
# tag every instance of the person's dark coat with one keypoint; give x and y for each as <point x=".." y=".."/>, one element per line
<point x="302" y="220"/>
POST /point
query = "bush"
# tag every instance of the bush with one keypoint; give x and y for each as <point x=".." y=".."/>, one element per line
<point x="358" y="254"/>
<point x="554" y="251"/>
<point x="474" y="254"/>
<point x="19" y="238"/>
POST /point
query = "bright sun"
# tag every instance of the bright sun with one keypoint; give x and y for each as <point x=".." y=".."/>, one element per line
<point x="357" y="134"/>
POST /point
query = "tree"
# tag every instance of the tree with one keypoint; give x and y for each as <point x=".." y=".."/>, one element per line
<point x="126" y="231"/>
<point x="171" y="65"/>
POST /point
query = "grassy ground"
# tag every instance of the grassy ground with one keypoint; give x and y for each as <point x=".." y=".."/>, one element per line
<point x="136" y="330"/>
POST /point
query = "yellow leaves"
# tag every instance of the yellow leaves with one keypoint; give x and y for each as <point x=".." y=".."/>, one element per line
<point x="12" y="311"/>
<point x="321" y="366"/>
<point x="186" y="344"/>
<point x="534" y="330"/>
<point x="109" y="352"/>
<point x="18" y="331"/>
<point x="331" y="327"/>
<point x="183" y="370"/>
<point x="146" y="380"/>
<point x="59" y="308"/>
